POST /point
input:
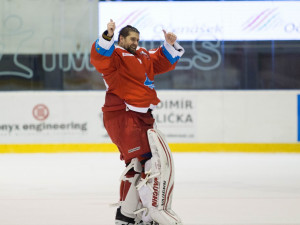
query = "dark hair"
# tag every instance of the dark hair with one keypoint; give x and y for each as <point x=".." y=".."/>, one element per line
<point x="125" y="31"/>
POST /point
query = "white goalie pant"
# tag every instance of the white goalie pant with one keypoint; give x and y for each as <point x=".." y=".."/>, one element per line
<point x="156" y="189"/>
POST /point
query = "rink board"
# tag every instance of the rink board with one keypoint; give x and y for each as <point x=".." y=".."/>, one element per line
<point x="192" y="121"/>
<point x="175" y="147"/>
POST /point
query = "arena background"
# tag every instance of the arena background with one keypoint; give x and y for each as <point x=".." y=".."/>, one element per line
<point x="236" y="89"/>
<point x="230" y="110"/>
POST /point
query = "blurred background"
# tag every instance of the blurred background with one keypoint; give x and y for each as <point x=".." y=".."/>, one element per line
<point x="235" y="92"/>
<point x="237" y="83"/>
<point x="230" y="45"/>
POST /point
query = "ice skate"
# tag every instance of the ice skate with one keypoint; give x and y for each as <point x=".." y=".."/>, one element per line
<point x="124" y="220"/>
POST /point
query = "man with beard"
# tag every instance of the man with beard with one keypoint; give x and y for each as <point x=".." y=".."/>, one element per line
<point x="128" y="72"/>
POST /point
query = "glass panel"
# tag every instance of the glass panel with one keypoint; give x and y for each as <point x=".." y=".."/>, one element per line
<point x="27" y="61"/>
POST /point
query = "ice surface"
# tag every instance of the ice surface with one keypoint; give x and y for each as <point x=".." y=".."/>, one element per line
<point x="210" y="189"/>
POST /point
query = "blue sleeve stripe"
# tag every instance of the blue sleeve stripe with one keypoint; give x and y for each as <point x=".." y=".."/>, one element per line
<point x="169" y="56"/>
<point x="103" y="51"/>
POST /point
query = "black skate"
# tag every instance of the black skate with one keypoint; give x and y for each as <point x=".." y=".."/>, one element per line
<point x="124" y="220"/>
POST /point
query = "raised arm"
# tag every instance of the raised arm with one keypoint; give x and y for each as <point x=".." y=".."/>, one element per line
<point x="166" y="57"/>
<point x="102" y="57"/>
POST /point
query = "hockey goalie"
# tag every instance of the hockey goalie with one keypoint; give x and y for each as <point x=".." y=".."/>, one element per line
<point x="128" y="72"/>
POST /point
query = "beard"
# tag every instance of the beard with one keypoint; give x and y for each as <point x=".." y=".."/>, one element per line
<point x="131" y="49"/>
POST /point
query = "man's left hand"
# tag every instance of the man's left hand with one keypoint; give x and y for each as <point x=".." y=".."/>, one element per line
<point x="170" y="37"/>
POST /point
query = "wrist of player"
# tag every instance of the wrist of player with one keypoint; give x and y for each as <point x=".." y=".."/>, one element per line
<point x="107" y="36"/>
<point x="171" y="42"/>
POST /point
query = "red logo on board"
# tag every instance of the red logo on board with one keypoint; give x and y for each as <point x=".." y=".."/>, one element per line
<point x="40" y="112"/>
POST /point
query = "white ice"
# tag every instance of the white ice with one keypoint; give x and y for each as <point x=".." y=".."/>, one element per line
<point x="210" y="189"/>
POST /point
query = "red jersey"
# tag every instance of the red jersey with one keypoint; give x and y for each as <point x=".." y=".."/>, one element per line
<point x="131" y="77"/>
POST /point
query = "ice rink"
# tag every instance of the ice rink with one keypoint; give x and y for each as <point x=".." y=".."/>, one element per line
<point x="210" y="189"/>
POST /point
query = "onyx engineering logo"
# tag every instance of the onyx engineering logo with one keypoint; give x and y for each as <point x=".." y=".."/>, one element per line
<point x="40" y="112"/>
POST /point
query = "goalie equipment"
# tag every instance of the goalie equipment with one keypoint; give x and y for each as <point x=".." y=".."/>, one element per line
<point x="156" y="188"/>
<point x="129" y="197"/>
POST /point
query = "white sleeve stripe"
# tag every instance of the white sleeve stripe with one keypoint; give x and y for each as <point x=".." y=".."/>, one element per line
<point x="174" y="52"/>
<point x="105" y="44"/>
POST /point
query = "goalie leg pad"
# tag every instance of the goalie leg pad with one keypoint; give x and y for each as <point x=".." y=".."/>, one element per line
<point x="129" y="197"/>
<point x="156" y="189"/>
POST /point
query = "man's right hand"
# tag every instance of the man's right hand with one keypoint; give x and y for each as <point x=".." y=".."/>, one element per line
<point x="111" y="26"/>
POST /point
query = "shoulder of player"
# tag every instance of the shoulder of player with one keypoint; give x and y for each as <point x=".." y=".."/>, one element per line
<point x="121" y="51"/>
<point x="142" y="49"/>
